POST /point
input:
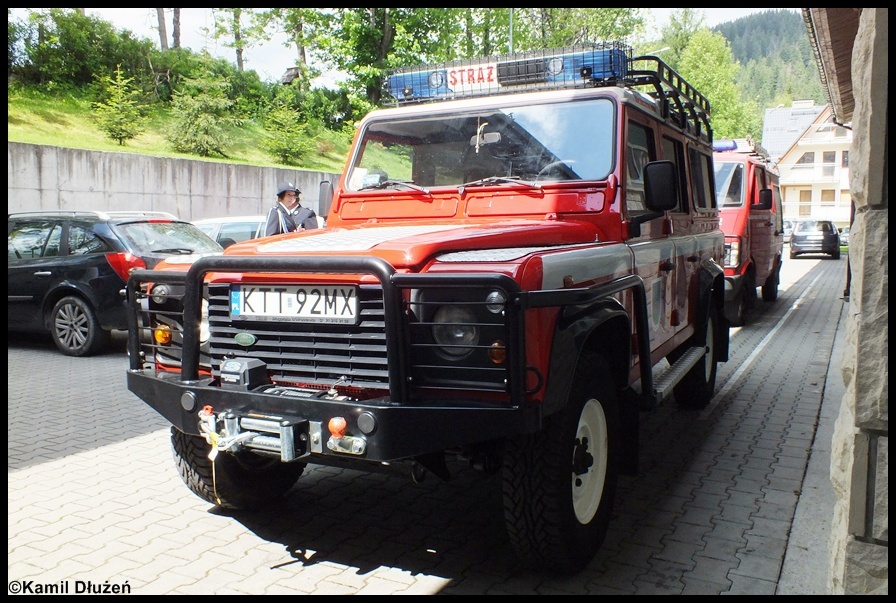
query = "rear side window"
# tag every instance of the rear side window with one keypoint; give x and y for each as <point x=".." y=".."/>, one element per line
<point x="82" y="241"/>
<point x="702" y="180"/>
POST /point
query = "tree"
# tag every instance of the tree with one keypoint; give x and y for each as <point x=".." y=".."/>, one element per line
<point x="163" y="30"/>
<point x="228" y="24"/>
<point x="708" y="65"/>
<point x="175" y="22"/>
<point x="683" y="24"/>
<point x="204" y="117"/>
<point x="120" y="114"/>
<point x="556" y="27"/>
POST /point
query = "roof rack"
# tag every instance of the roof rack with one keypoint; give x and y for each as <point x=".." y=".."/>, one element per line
<point x="587" y="66"/>
<point x="746" y="146"/>
<point x="740" y="145"/>
<point x="678" y="100"/>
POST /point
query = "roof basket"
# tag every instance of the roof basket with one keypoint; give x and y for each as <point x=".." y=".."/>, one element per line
<point x="586" y="66"/>
<point x="679" y="101"/>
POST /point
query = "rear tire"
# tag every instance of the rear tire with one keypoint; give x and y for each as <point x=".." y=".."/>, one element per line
<point x="75" y="328"/>
<point x="242" y="481"/>
<point x="696" y="389"/>
<point x="559" y="484"/>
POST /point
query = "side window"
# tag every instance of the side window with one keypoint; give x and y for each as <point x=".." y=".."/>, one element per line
<point x="702" y="180"/>
<point x="82" y="240"/>
<point x="673" y="150"/>
<point x="238" y="231"/>
<point x="779" y="211"/>
<point x="639" y="152"/>
<point x="27" y="240"/>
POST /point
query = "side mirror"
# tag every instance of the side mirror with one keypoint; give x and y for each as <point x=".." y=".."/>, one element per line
<point x="660" y="193"/>
<point x="765" y="199"/>
<point x="324" y="198"/>
<point x="661" y="186"/>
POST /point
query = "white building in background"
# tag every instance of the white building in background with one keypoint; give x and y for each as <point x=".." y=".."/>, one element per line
<point x="814" y="172"/>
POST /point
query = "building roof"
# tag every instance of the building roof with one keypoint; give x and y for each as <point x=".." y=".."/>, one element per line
<point x="783" y="126"/>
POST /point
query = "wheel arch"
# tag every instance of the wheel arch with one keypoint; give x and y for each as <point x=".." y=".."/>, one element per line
<point x="57" y="293"/>
<point x="575" y="332"/>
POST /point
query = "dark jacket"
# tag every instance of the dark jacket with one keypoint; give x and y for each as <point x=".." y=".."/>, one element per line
<point x="280" y="220"/>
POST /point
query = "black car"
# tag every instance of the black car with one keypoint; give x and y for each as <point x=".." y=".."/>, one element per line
<point x="815" y="236"/>
<point x="68" y="269"/>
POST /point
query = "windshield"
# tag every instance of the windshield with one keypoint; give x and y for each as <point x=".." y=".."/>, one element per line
<point x="544" y="142"/>
<point x="729" y="183"/>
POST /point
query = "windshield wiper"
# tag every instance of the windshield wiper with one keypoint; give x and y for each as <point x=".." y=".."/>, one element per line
<point x="500" y="180"/>
<point x="390" y="183"/>
<point x="180" y="250"/>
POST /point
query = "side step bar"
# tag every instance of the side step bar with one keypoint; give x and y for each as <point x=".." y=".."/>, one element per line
<point x="669" y="378"/>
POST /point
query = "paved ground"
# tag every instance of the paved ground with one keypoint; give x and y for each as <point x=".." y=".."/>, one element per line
<point x="734" y="499"/>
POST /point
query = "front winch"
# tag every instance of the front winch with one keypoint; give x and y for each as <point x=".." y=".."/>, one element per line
<point x="271" y="435"/>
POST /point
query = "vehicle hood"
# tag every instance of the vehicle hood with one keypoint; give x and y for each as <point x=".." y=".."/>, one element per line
<point x="410" y="245"/>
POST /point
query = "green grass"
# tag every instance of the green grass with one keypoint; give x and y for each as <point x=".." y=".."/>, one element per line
<point x="67" y="121"/>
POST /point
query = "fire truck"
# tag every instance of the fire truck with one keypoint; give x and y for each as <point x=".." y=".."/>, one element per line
<point x="751" y="215"/>
<point x="521" y="257"/>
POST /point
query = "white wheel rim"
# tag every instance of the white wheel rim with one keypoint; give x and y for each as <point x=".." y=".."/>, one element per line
<point x="588" y="487"/>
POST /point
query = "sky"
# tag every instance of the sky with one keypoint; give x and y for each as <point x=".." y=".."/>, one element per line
<point x="273" y="58"/>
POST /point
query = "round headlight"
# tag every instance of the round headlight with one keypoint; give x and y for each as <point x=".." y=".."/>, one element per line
<point x="454" y="331"/>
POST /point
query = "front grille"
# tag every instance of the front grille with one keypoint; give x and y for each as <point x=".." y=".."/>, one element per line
<point x="305" y="353"/>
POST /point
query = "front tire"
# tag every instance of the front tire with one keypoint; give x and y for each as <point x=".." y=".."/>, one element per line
<point x="242" y="481"/>
<point x="559" y="484"/>
<point x="696" y="389"/>
<point x="76" y="329"/>
<point x="770" y="288"/>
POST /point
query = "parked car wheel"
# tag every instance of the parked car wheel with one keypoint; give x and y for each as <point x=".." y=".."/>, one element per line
<point x="76" y="329"/>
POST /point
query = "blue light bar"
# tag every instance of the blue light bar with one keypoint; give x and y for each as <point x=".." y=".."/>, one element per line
<point x="724" y="145"/>
<point x="524" y="72"/>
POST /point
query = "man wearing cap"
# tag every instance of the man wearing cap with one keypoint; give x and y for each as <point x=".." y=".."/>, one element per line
<point x="288" y="215"/>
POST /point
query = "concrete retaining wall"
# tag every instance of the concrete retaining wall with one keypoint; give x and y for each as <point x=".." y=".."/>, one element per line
<point x="56" y="178"/>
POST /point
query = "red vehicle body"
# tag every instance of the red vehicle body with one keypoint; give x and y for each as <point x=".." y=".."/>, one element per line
<point x="749" y="199"/>
<point x="507" y="278"/>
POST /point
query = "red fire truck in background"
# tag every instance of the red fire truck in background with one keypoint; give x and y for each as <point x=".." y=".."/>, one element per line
<point x="749" y="199"/>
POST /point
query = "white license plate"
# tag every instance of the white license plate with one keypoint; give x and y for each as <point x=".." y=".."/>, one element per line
<point x="294" y="303"/>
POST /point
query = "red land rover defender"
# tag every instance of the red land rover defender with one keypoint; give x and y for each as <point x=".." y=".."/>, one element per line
<point x="512" y="254"/>
<point x="752" y="219"/>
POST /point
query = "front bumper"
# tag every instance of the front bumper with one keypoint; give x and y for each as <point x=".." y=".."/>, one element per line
<point x="378" y="430"/>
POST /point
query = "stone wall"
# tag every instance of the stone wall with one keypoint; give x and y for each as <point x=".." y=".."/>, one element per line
<point x="860" y="448"/>
<point x="55" y="178"/>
